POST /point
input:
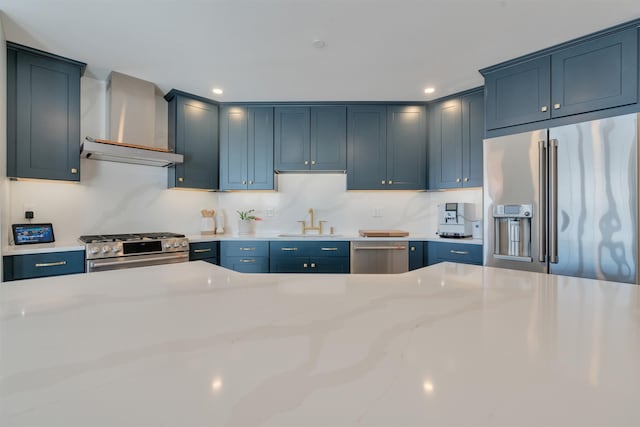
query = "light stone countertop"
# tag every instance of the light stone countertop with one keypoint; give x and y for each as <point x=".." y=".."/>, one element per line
<point x="194" y="344"/>
<point x="75" y="245"/>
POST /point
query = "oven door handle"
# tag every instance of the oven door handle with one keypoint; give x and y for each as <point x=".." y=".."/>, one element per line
<point x="94" y="264"/>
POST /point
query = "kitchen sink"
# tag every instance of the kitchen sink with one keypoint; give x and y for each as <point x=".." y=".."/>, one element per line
<point x="310" y="236"/>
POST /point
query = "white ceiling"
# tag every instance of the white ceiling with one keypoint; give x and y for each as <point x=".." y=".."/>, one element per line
<point x="261" y="50"/>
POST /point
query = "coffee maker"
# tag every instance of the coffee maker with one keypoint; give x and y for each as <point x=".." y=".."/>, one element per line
<point x="455" y="220"/>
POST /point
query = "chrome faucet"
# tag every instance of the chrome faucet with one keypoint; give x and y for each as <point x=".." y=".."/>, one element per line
<point x="311" y="226"/>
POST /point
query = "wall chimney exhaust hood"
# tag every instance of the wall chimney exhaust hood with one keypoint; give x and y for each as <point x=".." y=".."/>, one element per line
<point x="137" y="125"/>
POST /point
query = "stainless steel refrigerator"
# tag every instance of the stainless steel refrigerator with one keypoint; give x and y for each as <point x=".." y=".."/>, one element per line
<point x="564" y="200"/>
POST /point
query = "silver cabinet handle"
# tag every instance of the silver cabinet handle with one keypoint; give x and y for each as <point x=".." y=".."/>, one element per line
<point x="288" y="249"/>
<point x="180" y="179"/>
<point x="553" y="201"/>
<point x="383" y="182"/>
<point x="390" y="182"/>
<point x="244" y="182"/>
<point x="74" y="170"/>
<point x="458" y="252"/>
<point x="304" y="265"/>
<point x="51" y="264"/>
<point x="247" y="260"/>
<point x="313" y="162"/>
<point x="250" y="182"/>
<point x="542" y="201"/>
<point x="247" y="249"/>
<point x="457" y="179"/>
<point x="306" y="162"/>
<point x="379" y="248"/>
<point x="199" y="251"/>
<point x="413" y="248"/>
<point x="136" y="261"/>
<point x="466" y="180"/>
<point x="544" y="108"/>
<point x="556" y="106"/>
<point x="313" y="265"/>
<point x="328" y="249"/>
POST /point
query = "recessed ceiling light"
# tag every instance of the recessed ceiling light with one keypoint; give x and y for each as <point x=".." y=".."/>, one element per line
<point x="429" y="90"/>
<point x="218" y="91"/>
<point x="317" y="43"/>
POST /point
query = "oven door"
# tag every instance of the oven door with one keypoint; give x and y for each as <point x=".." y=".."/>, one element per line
<point x="135" y="261"/>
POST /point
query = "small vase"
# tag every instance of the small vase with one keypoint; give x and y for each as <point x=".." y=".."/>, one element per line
<point x="245" y="226"/>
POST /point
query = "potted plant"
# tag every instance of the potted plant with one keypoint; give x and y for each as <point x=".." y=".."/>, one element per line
<point x="246" y="221"/>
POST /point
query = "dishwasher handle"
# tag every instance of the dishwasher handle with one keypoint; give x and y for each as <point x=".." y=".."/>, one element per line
<point x="379" y="248"/>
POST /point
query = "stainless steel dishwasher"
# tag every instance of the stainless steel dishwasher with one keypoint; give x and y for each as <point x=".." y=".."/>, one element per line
<point x="379" y="257"/>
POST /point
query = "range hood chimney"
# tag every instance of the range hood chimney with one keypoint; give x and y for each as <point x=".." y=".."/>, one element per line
<point x="137" y="125"/>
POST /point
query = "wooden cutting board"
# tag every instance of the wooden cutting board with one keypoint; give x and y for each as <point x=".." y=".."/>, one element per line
<point x="383" y="233"/>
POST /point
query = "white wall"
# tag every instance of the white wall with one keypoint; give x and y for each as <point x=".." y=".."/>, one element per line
<point x="347" y="211"/>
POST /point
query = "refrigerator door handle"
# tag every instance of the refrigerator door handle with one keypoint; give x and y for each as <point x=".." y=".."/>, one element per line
<point x="553" y="201"/>
<point x="542" y="201"/>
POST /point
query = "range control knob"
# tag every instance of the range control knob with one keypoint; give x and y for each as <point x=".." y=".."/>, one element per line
<point x="94" y="250"/>
<point x="116" y="248"/>
<point x="527" y="213"/>
<point x="176" y="244"/>
<point x="184" y="244"/>
<point x="167" y="245"/>
<point x="106" y="249"/>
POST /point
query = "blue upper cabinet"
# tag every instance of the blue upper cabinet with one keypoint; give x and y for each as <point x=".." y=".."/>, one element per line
<point x="292" y="128"/>
<point x="367" y="147"/>
<point x="43" y="115"/>
<point x="518" y="94"/>
<point x="246" y="148"/>
<point x="386" y="147"/>
<point x="406" y="147"/>
<point x="445" y="144"/>
<point x="328" y="138"/>
<point x="456" y="132"/>
<point x="310" y="138"/>
<point x="193" y="132"/>
<point x="472" y="137"/>
<point x="595" y="73"/>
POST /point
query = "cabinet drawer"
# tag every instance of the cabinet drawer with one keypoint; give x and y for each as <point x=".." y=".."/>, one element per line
<point x="330" y="264"/>
<point x="454" y="252"/>
<point x="328" y="249"/>
<point x="203" y="250"/>
<point x="246" y="264"/>
<point x="246" y="248"/>
<point x="44" y="265"/>
<point x="287" y="249"/>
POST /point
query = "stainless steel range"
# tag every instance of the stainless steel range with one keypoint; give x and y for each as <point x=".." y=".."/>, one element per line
<point x="117" y="251"/>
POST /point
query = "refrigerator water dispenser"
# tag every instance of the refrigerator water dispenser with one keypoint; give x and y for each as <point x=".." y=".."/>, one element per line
<point x="512" y="228"/>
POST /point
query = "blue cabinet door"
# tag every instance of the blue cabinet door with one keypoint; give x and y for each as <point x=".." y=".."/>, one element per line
<point x="453" y="252"/>
<point x="328" y="138"/>
<point x="518" y="94"/>
<point x="594" y="75"/>
<point x="260" y="153"/>
<point x="329" y="265"/>
<point x="30" y="266"/>
<point x="233" y="148"/>
<point x="193" y="133"/>
<point x="416" y="255"/>
<point x="289" y="264"/>
<point x="472" y="137"/>
<point x="246" y="264"/>
<point x="244" y="248"/>
<point x="43" y="116"/>
<point x="366" y="147"/>
<point x="445" y="144"/>
<point x="406" y="147"/>
<point x="291" y="133"/>
<point x="203" y="250"/>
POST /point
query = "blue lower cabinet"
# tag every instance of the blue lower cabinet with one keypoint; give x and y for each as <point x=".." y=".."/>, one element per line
<point x="416" y="255"/>
<point x="30" y="266"/>
<point x="453" y="252"/>
<point x="246" y="264"/>
<point x="204" y="251"/>
<point x="245" y="256"/>
<point x="309" y="257"/>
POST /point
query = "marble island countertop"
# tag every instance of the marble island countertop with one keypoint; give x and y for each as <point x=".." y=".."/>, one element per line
<point x="194" y="344"/>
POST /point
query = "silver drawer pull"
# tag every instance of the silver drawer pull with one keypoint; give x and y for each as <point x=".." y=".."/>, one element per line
<point x="304" y="265"/>
<point x="459" y="252"/>
<point x="247" y="260"/>
<point x="413" y="248"/>
<point x="313" y="265"/>
<point x="247" y="249"/>
<point x="51" y="264"/>
<point x="328" y="249"/>
<point x="288" y="249"/>
<point x="199" y="251"/>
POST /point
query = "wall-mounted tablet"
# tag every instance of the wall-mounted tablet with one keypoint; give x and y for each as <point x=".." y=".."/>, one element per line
<point x="25" y="234"/>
